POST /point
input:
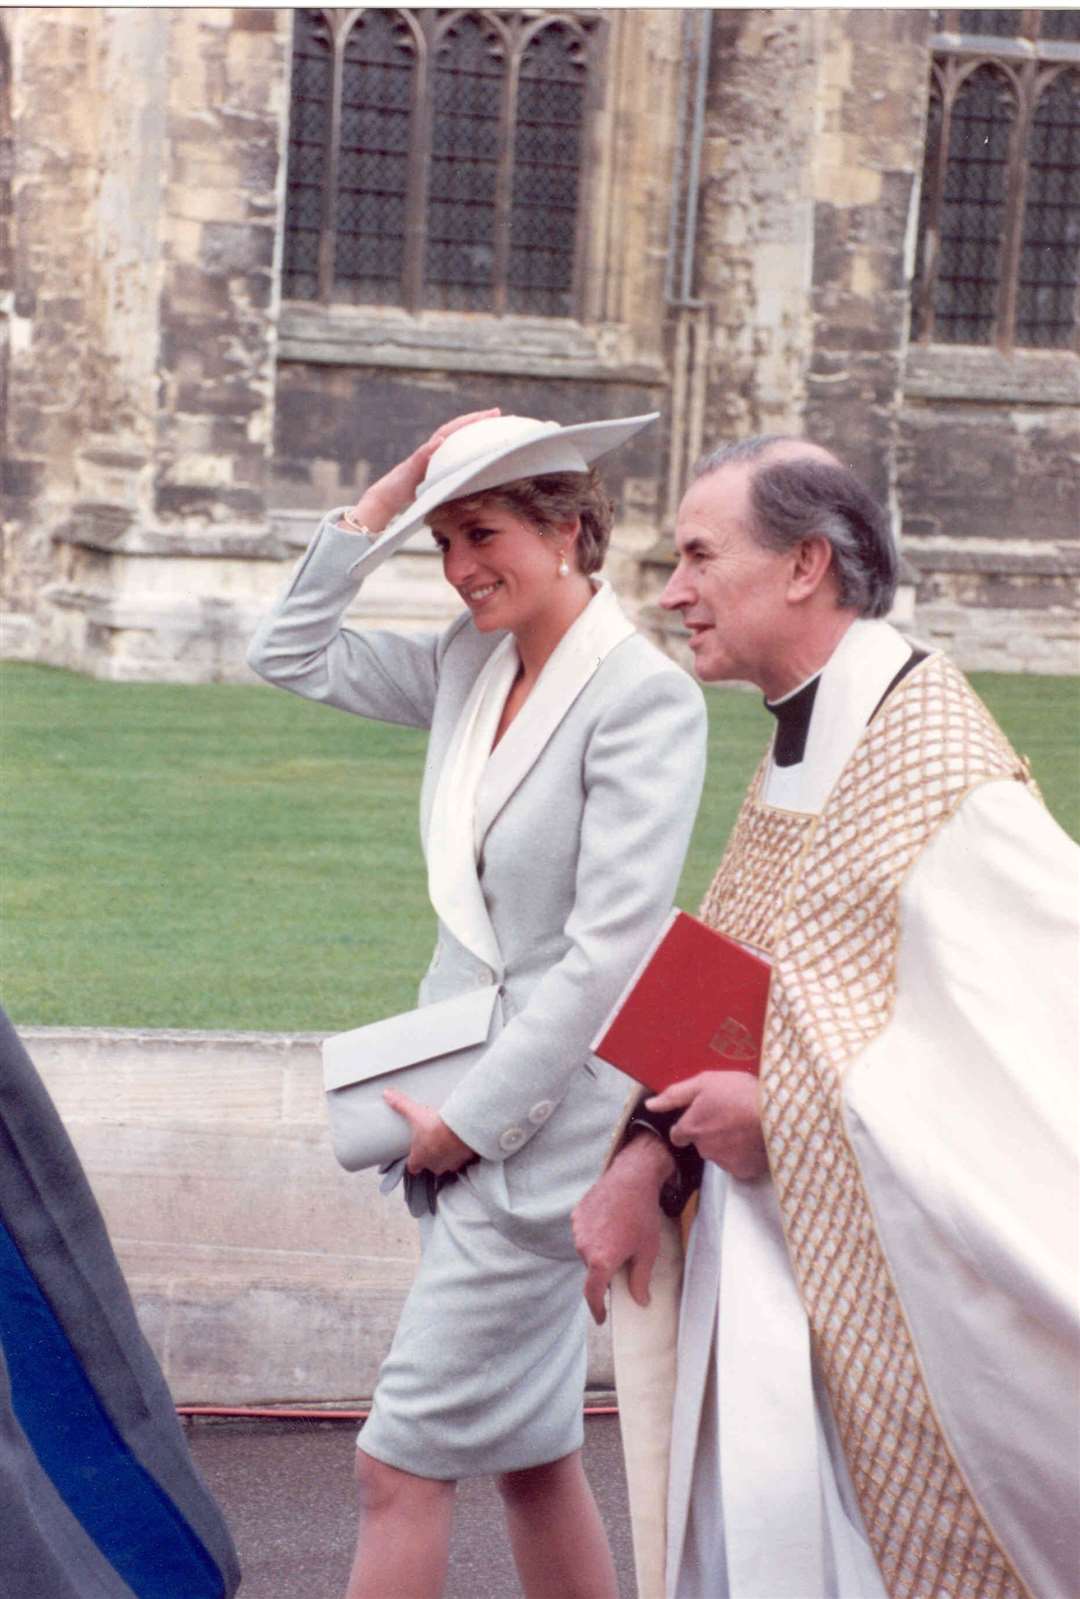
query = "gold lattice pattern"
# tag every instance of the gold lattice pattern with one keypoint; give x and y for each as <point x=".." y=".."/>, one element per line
<point x="746" y="896"/>
<point x="834" y="984"/>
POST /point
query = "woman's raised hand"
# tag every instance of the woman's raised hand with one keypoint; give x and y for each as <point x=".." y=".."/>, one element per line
<point x="379" y="504"/>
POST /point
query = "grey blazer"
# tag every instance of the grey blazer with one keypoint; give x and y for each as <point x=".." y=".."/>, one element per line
<point x="578" y="869"/>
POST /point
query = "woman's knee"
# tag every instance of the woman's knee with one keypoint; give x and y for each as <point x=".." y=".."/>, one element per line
<point x="385" y="1488"/>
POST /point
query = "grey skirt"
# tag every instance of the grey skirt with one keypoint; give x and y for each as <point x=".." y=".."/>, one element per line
<point x="486" y="1372"/>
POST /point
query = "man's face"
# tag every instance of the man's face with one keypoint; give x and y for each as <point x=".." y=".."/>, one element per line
<point x="731" y="591"/>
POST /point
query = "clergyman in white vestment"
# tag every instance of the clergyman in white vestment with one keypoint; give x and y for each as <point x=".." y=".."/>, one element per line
<point x="862" y="1380"/>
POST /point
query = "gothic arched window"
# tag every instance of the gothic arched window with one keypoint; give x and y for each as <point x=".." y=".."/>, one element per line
<point x="468" y="81"/>
<point x="372" y="169"/>
<point x="1046" y="310"/>
<point x="309" y="141"/>
<point x="998" y="247"/>
<point x="545" y="209"/>
<point x="436" y="158"/>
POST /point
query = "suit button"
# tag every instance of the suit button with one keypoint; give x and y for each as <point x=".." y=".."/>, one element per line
<point x="512" y="1139"/>
<point x="540" y="1112"/>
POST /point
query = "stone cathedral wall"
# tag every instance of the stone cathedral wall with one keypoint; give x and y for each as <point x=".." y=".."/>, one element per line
<point x="170" y="428"/>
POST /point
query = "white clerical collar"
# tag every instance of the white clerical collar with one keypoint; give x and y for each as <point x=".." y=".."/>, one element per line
<point x="848" y="689"/>
<point x="774" y="705"/>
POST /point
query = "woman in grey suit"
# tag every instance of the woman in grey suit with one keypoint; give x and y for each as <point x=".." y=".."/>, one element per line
<point x="564" y="769"/>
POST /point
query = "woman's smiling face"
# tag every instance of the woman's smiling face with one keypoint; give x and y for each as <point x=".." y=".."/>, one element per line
<point x="505" y="569"/>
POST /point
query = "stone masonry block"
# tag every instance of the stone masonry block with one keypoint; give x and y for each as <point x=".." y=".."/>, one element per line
<point x="234" y="247"/>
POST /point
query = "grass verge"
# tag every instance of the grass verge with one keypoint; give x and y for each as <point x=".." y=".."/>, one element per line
<point x="229" y="857"/>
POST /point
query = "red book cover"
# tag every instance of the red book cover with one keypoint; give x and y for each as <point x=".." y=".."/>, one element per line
<point x="696" y="1003"/>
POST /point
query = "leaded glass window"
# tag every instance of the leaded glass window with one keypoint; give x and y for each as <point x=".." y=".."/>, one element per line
<point x="1000" y="24"/>
<point x="998" y="248"/>
<point x="467" y="84"/>
<point x="1060" y="25"/>
<point x="1046" y="311"/>
<point x="377" y="76"/>
<point x="309" y="141"/>
<point x="544" y="209"/>
<point x="972" y="212"/>
<point x="436" y="158"/>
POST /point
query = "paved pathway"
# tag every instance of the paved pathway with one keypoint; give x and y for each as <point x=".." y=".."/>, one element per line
<point x="286" y="1488"/>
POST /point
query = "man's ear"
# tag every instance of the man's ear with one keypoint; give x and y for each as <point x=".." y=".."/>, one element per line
<point x="811" y="566"/>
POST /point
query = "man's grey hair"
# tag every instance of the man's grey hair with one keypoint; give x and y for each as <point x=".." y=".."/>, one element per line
<point x="794" y="497"/>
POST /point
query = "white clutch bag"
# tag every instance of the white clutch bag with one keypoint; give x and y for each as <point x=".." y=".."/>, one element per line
<point x="424" y="1053"/>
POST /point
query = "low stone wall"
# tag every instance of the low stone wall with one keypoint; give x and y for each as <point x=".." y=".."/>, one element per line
<point x="262" y="1272"/>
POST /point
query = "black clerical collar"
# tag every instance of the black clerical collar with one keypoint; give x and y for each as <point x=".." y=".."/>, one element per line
<point x="794" y="711"/>
<point x="793" y="714"/>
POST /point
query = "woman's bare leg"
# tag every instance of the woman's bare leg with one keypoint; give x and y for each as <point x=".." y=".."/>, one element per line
<point x="403" y="1543"/>
<point x="560" y="1547"/>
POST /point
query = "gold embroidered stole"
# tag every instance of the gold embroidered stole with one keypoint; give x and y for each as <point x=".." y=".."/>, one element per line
<point x="820" y="893"/>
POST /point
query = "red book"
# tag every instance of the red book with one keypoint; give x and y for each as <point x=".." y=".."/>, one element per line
<point x="696" y="1003"/>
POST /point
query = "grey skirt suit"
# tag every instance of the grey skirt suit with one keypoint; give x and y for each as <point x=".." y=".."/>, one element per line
<point x="578" y="865"/>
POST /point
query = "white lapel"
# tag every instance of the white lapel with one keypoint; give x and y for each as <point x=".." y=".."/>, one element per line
<point x="453" y="884"/>
<point x="853" y="680"/>
<point x="602" y="625"/>
<point x="475" y="781"/>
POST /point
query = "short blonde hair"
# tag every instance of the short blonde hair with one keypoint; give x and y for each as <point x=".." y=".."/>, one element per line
<point x="549" y="499"/>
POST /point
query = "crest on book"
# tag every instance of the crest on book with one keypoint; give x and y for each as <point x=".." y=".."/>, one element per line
<point x="733" y="1041"/>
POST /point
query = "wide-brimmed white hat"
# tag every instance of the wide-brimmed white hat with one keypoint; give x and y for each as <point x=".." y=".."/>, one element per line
<point x="498" y="450"/>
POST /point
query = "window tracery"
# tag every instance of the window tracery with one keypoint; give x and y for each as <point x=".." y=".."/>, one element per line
<point x="998" y="245"/>
<point x="436" y="158"/>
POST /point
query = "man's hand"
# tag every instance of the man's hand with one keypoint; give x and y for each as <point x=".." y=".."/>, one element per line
<point x="722" y="1118"/>
<point x="618" y="1220"/>
<point x="434" y="1147"/>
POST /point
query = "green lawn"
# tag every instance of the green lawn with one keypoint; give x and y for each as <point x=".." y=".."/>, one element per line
<point x="233" y="857"/>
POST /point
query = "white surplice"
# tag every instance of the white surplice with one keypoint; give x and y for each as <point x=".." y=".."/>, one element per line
<point x="961" y="1116"/>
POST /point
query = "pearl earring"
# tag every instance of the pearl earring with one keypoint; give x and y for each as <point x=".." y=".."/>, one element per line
<point x="564" y="570"/>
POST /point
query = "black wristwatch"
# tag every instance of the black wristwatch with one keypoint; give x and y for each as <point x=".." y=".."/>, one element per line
<point x="689" y="1165"/>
